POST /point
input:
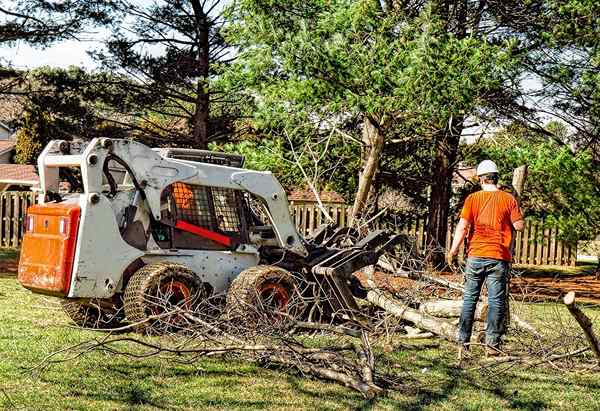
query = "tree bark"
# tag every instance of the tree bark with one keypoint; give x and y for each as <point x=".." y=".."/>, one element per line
<point x="441" y="192"/>
<point x="451" y="308"/>
<point x="373" y="143"/>
<point x="584" y="322"/>
<point x="201" y="119"/>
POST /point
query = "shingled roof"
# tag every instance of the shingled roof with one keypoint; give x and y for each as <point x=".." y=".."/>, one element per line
<point x="6" y="145"/>
<point x="21" y="174"/>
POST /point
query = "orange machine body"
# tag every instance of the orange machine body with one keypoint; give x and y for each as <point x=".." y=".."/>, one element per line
<point x="48" y="248"/>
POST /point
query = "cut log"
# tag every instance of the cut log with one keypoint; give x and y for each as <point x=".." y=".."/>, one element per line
<point x="451" y="308"/>
<point x="423" y="321"/>
<point x="523" y="325"/>
<point x="584" y="322"/>
<point x="412" y="330"/>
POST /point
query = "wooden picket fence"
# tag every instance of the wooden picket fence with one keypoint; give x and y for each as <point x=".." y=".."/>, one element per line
<point x="534" y="246"/>
<point x="13" y="205"/>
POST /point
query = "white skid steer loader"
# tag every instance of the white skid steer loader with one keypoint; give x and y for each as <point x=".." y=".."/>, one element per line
<point x="137" y="223"/>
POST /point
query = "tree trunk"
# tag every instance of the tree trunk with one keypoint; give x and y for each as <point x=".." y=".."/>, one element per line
<point x="518" y="180"/>
<point x="372" y="147"/>
<point x="441" y="192"/>
<point x="201" y="117"/>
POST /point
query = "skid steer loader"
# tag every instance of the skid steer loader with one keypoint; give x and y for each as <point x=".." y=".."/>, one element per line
<point x="117" y="224"/>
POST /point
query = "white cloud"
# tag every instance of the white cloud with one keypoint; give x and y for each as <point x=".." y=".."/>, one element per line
<point x="64" y="54"/>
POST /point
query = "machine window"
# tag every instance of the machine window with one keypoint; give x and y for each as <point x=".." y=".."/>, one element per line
<point x="212" y="208"/>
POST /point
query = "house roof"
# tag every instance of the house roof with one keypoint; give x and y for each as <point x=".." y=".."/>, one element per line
<point x="308" y="195"/>
<point x="5" y="127"/>
<point x="6" y="145"/>
<point x="21" y="174"/>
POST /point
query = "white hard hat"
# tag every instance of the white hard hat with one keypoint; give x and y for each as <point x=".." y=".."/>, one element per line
<point x="486" y="167"/>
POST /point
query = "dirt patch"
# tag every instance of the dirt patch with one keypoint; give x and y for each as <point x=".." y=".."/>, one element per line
<point x="544" y="288"/>
<point x="8" y="267"/>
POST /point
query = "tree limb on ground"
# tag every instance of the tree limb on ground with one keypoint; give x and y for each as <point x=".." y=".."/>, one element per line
<point x="420" y="320"/>
<point x="584" y="322"/>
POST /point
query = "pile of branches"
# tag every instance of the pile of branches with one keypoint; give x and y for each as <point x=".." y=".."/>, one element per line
<point x="433" y="304"/>
<point x="342" y="351"/>
<point x="344" y="346"/>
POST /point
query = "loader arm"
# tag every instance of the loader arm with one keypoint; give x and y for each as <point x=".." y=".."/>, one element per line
<point x="152" y="173"/>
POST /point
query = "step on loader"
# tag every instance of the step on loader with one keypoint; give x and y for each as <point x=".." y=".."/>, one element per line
<point x="122" y="232"/>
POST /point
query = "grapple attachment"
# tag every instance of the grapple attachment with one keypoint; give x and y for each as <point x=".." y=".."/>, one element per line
<point x="335" y="255"/>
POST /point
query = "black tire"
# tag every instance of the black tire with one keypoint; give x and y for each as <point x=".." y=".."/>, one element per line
<point x="95" y="313"/>
<point x="157" y="288"/>
<point x="263" y="294"/>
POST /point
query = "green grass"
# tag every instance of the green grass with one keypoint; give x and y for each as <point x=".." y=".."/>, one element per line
<point x="33" y="326"/>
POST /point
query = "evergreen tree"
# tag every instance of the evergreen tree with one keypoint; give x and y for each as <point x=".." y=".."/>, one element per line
<point x="395" y="68"/>
<point x="164" y="59"/>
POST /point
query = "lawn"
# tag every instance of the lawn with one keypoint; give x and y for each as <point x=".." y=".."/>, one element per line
<point x="33" y="326"/>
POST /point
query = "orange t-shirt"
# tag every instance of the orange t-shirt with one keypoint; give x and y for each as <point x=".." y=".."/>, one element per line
<point x="491" y="215"/>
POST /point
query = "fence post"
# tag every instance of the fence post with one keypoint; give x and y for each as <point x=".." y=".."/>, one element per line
<point x="2" y="218"/>
<point x="560" y="248"/>
<point x="552" y="253"/>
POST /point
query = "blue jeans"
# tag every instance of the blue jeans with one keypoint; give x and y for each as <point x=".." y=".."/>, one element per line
<point x="495" y="273"/>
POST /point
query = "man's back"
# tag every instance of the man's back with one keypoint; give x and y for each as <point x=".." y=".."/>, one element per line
<point x="490" y="215"/>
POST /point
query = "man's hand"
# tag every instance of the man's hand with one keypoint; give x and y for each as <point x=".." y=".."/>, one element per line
<point x="451" y="260"/>
<point x="459" y="236"/>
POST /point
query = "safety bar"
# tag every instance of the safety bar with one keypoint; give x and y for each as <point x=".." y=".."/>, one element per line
<point x="67" y="160"/>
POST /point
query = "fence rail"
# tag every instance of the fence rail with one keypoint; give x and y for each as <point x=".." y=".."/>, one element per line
<point x="536" y="245"/>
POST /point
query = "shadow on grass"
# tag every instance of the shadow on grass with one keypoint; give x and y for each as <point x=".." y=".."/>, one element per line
<point x="439" y="391"/>
<point x="138" y="383"/>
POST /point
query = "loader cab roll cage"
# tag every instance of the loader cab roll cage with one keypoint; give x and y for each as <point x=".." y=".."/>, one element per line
<point x="225" y="184"/>
<point x="201" y="217"/>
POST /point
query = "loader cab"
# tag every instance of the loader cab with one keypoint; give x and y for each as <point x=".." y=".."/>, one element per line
<point x="200" y="217"/>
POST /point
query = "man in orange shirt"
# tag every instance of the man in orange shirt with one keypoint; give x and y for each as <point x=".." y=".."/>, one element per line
<point x="490" y="217"/>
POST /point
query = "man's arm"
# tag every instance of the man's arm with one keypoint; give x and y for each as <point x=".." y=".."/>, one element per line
<point x="459" y="236"/>
<point x="516" y="216"/>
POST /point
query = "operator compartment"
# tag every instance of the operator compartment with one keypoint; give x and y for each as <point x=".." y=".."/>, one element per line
<point x="48" y="247"/>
